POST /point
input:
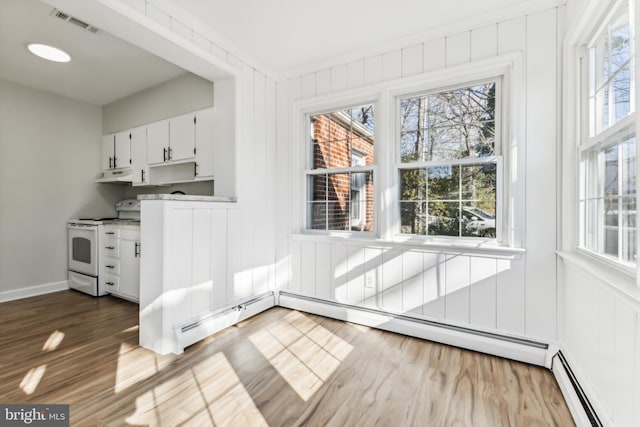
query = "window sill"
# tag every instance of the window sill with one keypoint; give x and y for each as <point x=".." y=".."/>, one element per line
<point x="620" y="280"/>
<point x="487" y="248"/>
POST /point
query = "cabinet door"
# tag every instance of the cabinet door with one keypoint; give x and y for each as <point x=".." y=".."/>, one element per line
<point x="129" y="269"/>
<point x="182" y="137"/>
<point x="204" y="143"/>
<point x="157" y="142"/>
<point x="139" y="156"/>
<point x="122" y="152"/>
<point x="107" y="151"/>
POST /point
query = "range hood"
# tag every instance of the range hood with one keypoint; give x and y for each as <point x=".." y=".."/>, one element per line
<point x="119" y="175"/>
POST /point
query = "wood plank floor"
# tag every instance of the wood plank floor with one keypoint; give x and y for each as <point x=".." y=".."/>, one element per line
<point x="279" y="368"/>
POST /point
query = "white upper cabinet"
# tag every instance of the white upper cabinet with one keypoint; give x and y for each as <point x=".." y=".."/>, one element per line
<point x="139" y="165"/>
<point x="116" y="151"/>
<point x="204" y="144"/>
<point x="182" y="135"/>
<point x="157" y="142"/>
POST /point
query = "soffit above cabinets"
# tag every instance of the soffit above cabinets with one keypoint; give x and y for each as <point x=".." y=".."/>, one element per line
<point x="103" y="68"/>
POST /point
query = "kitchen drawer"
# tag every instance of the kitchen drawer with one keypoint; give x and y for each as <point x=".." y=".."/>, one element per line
<point x="111" y="265"/>
<point x="132" y="233"/>
<point x="111" y="232"/>
<point x="111" y="283"/>
<point x="111" y="248"/>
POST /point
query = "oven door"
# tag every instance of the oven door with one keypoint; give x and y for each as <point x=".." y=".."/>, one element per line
<point x="83" y="249"/>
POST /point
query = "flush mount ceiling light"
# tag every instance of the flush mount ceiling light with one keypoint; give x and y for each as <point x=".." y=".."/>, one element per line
<point x="48" y="52"/>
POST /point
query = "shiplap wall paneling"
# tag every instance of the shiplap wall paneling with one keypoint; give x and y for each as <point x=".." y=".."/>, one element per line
<point x="636" y="359"/>
<point x="457" y="288"/>
<point x="510" y="295"/>
<point x="412" y="282"/>
<point x="295" y="284"/>
<point x="373" y="70"/>
<point x="323" y="82"/>
<point x="373" y="276"/>
<point x="339" y="272"/>
<point x="605" y="347"/>
<point x="355" y="275"/>
<point x="484" y="42"/>
<point x="178" y="276"/>
<point x="433" y="54"/>
<point x="512" y="35"/>
<point x="339" y="78"/>
<point x="202" y="284"/>
<point x="434" y="292"/>
<point x="540" y="187"/>
<point x="271" y="179"/>
<point x="308" y="268"/>
<point x="392" y="65"/>
<point x="482" y="292"/>
<point x="392" y="280"/>
<point x="412" y="62"/>
<point x="260" y="272"/>
<point x="625" y="361"/>
<point x="219" y="254"/>
<point x="308" y="86"/>
<point x="287" y="92"/>
<point x="355" y="74"/>
<point x="323" y="271"/>
<point x="458" y="48"/>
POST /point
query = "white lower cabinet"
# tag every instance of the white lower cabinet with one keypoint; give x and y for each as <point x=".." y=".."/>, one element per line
<point x="120" y="261"/>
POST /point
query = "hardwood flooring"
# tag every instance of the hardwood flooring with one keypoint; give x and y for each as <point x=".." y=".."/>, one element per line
<point x="280" y="368"/>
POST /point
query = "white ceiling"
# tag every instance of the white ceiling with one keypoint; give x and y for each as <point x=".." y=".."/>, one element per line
<point x="103" y="68"/>
<point x="292" y="34"/>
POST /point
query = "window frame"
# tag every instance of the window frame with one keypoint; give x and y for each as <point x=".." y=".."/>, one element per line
<point x="309" y="171"/>
<point x="501" y="128"/>
<point x="591" y="143"/>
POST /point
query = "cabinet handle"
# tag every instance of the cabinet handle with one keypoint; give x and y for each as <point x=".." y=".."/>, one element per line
<point x="110" y="266"/>
<point x="164" y="154"/>
<point x="141" y="175"/>
<point x="109" y="283"/>
<point x="109" y="247"/>
<point x="170" y="153"/>
<point x="136" y="252"/>
<point x="195" y="169"/>
<point x="110" y="233"/>
<point x="115" y="162"/>
<point x="110" y="162"/>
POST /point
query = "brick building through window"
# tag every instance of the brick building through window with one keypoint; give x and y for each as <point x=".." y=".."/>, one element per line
<point x="342" y="190"/>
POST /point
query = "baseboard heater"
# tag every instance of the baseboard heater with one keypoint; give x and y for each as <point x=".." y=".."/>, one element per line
<point x="581" y="408"/>
<point x="195" y="330"/>
<point x="510" y="347"/>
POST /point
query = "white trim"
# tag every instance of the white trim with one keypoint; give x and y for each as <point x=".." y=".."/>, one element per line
<point x="32" y="291"/>
<point x="452" y="245"/>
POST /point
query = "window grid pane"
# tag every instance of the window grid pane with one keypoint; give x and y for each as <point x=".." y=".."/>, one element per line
<point x="342" y="201"/>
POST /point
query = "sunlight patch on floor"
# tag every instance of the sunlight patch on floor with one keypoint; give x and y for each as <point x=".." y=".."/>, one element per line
<point x="53" y="341"/>
<point x="31" y="381"/>
<point x="304" y="353"/>
<point x="134" y="365"/>
<point x="221" y="400"/>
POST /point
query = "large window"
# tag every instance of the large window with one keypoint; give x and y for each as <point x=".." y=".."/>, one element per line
<point x="449" y="162"/>
<point x="608" y="147"/>
<point x="340" y="178"/>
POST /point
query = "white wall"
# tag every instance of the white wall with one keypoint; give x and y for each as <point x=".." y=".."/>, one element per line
<point x="49" y="158"/>
<point x="516" y="296"/>
<point x="183" y="94"/>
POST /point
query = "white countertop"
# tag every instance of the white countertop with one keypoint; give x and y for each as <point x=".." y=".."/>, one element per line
<point x="187" y="197"/>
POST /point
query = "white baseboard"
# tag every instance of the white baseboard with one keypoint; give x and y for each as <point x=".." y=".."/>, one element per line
<point x="521" y="350"/>
<point x="33" y="291"/>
